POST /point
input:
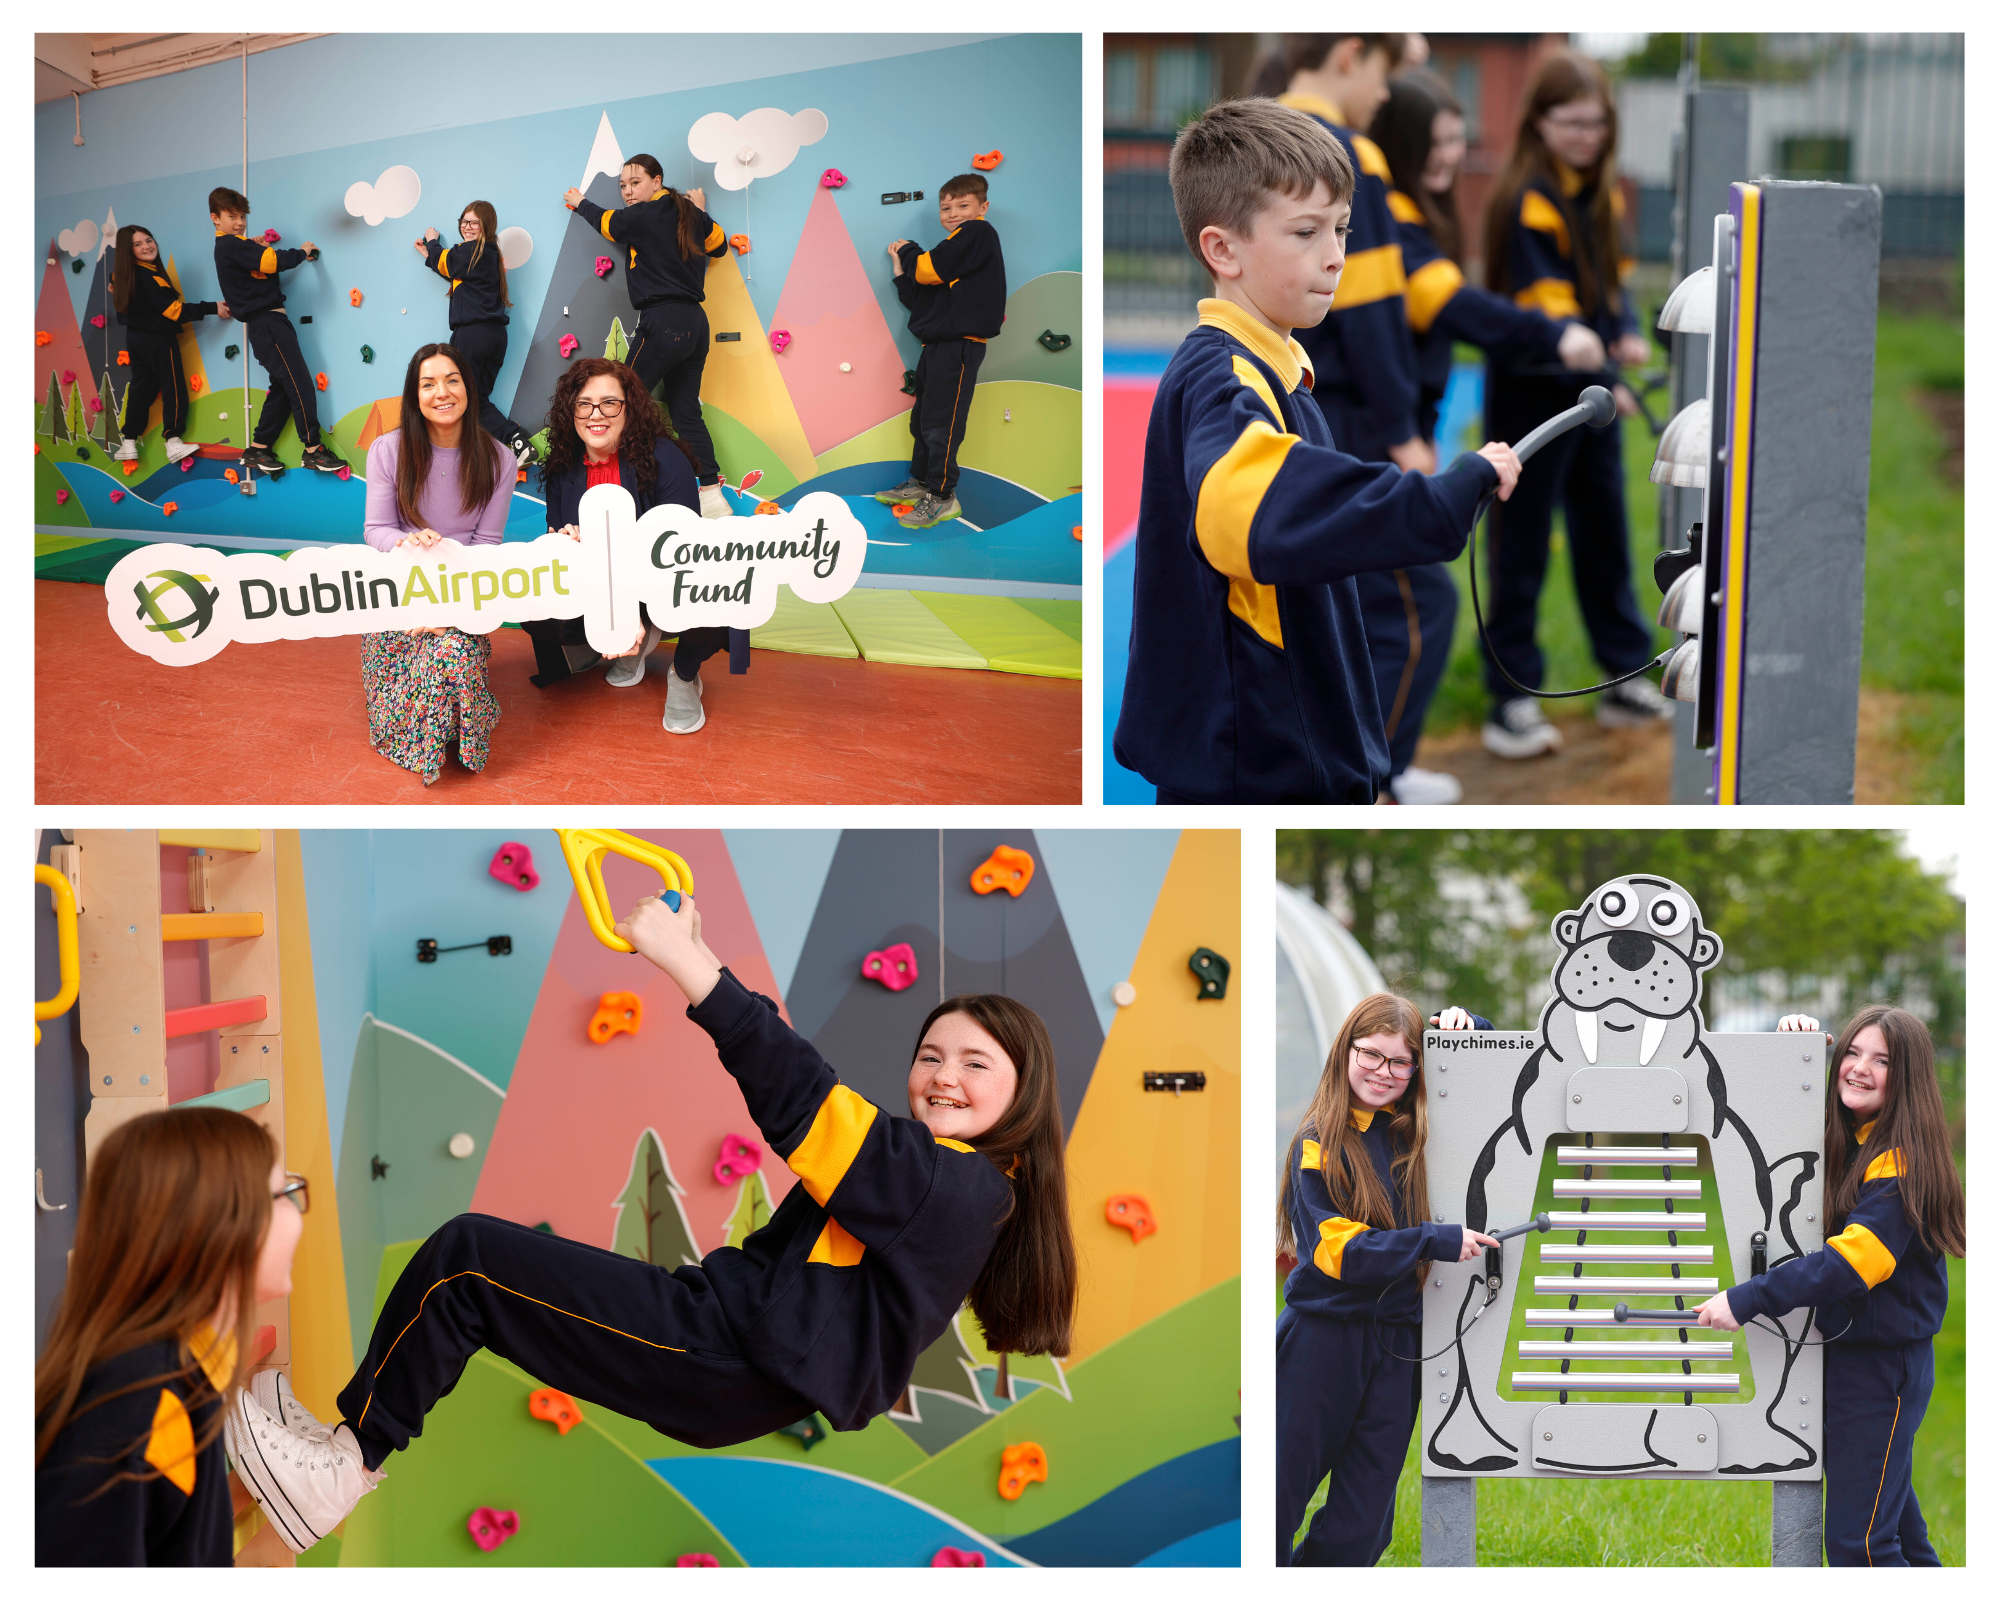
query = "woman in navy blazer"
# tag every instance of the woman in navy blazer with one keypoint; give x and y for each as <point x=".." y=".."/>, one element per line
<point x="605" y="428"/>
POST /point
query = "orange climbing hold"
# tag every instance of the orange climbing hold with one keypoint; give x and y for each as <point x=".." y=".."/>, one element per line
<point x="740" y="243"/>
<point x="229" y="473"/>
<point x="989" y="161"/>
<point x="129" y="466"/>
<point x="319" y="378"/>
<point x="124" y="358"/>
<point x="196" y="383"/>
<point x="1131" y="1212"/>
<point x="552" y="1405"/>
<point x="354" y="297"/>
<point x="1077" y="531"/>
<point x="1007" y="868"/>
<point x="1021" y="1465"/>
<point x="44" y="338"/>
<point x="169" y="508"/>
<point x="617" y="1012"/>
<point x="769" y="508"/>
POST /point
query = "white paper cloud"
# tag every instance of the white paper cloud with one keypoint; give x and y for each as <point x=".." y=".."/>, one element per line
<point x="756" y="146"/>
<point x="394" y="194"/>
<point x="75" y="241"/>
<point x="515" y="247"/>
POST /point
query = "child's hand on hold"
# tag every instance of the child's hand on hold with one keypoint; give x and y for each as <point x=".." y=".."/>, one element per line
<point x="698" y="196"/>
<point x="672" y="941"/>
<point x="572" y="197"/>
<point x="1504" y="462"/>
<point x="1716" y="1314"/>
<point x="1473" y="1243"/>
<point x="1452" y="1017"/>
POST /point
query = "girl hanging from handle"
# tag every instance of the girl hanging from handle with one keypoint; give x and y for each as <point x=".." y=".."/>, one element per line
<point x="152" y="313"/>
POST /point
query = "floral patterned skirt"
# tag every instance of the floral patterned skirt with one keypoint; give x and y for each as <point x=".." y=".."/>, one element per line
<point x="427" y="689"/>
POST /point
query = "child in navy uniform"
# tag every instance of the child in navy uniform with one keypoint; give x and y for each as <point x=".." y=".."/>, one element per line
<point x="668" y="240"/>
<point x="479" y="302"/>
<point x="893" y="1224"/>
<point x="1894" y="1196"/>
<point x="247" y="270"/>
<point x="152" y="313"/>
<point x="956" y="295"/>
<point x="1250" y="677"/>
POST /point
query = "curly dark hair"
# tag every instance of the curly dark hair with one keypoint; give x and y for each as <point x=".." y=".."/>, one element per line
<point x="645" y="426"/>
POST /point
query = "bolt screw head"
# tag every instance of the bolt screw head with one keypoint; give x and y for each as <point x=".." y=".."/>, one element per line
<point x="1701" y="1438"/>
<point x="1576" y="1099"/>
<point x="1677" y="1099"/>
<point x="1547" y="1437"/>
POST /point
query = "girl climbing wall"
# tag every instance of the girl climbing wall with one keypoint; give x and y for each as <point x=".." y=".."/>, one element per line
<point x="479" y="302"/>
<point x="152" y="313"/>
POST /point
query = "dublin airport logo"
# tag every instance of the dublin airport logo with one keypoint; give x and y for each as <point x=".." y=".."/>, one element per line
<point x="189" y="589"/>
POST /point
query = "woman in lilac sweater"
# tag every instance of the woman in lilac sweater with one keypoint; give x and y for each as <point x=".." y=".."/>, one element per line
<point x="439" y="480"/>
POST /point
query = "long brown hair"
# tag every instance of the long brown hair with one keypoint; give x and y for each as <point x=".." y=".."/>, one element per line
<point x="1025" y="1298"/>
<point x="172" y="1222"/>
<point x="688" y="235"/>
<point x="1307" y="52"/>
<point x="125" y="264"/>
<point x="645" y="426"/>
<point x="1403" y="128"/>
<point x="478" y="452"/>
<point x="1911" y="1124"/>
<point x="1562" y="77"/>
<point x="1345" y="1166"/>
<point x="489" y="234"/>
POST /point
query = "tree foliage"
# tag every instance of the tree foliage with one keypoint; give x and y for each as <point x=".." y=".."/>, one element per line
<point x="651" y="1225"/>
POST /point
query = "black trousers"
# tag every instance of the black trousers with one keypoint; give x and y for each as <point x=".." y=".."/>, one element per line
<point x="1876" y="1396"/>
<point x="946" y="373"/>
<point x="549" y="635"/>
<point x="157" y="374"/>
<point x="289" y="390"/>
<point x="603" y="1328"/>
<point x="669" y="348"/>
<point x="1408" y="615"/>
<point x="1345" y="1408"/>
<point x="1585" y="470"/>
<point x="484" y="346"/>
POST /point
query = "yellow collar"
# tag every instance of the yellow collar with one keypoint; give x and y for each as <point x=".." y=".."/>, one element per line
<point x="1361" y="1116"/>
<point x="1286" y="359"/>
<point x="217" y="1355"/>
<point x="1314" y="106"/>
<point x="1861" y="1133"/>
<point x="1569" y="179"/>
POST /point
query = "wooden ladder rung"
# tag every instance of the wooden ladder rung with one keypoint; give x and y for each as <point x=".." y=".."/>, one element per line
<point x="240" y="1097"/>
<point x="247" y="840"/>
<point x="211" y="925"/>
<point x="216" y="1014"/>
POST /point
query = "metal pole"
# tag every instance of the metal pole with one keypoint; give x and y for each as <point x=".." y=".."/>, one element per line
<point x="1451" y="1522"/>
<point x="249" y="482"/>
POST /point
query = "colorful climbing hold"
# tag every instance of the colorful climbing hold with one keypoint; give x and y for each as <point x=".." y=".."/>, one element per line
<point x="833" y="178"/>
<point x="231" y="351"/>
<point x="696" y="1558"/>
<point x="319" y="379"/>
<point x="129" y="467"/>
<point x="1052" y="341"/>
<point x="83" y="452"/>
<point x="909" y="381"/>
<point x="98" y="320"/>
<point x="230" y="474"/>
<point x="1213" y="972"/>
<point x="42" y="337"/>
<point x="809" y="1430"/>
<point x="1130" y="1211"/>
<point x="345" y="472"/>
<point x="520" y="474"/>
<point x="951" y="1557"/>
<point x="354" y="297"/>
<point x="491" y="1529"/>
<point x="567" y="345"/>
<point x="604" y="266"/>
<point x="1021" y="1465"/>
<point x="552" y="1405"/>
<point x="169" y="508"/>
<point x="69" y="376"/>
<point x="62" y="497"/>
<point x="124" y="358"/>
<point x="618" y="1011"/>
<point x="902" y="511"/>
<point x="514" y="865"/>
<point x="740" y="1157"/>
<point x="768" y="508"/>
<point x="367" y="353"/>
<point x="1007" y="868"/>
<point x="779" y="339"/>
<point x="76" y="266"/>
<point x="1076" y="532"/>
<point x="894" y="968"/>
<point x="272" y="236"/>
<point x="196" y="383"/>
<point x="117" y="495"/>
<point x="847" y="366"/>
<point x="187" y="464"/>
<point x="96" y="405"/>
<point x="989" y="161"/>
<point x="740" y="243"/>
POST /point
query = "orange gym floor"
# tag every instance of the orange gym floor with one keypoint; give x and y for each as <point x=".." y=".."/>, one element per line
<point x="287" y="723"/>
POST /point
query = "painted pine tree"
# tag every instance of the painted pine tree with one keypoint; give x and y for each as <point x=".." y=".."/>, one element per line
<point x="753" y="1210"/>
<point x="945" y="1368"/>
<point x="651" y="1224"/>
<point x="108" y="433"/>
<point x="1016" y="1376"/>
<point x="614" y="342"/>
<point x="78" y="427"/>
<point x="52" y="412"/>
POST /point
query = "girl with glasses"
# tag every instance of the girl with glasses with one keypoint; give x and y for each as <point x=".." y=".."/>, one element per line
<point x="1352" y="1214"/>
<point x="479" y="302"/>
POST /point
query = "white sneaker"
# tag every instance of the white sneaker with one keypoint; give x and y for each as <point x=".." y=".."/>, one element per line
<point x="683" y="713"/>
<point x="1517" y="729"/>
<point x="305" y="1484"/>
<point x="273" y="1391"/>
<point x="1633" y="704"/>
<point x="179" y="450"/>
<point x="1413" y="786"/>
<point x="128" y="450"/>
<point x="714" y="503"/>
<point x="628" y="670"/>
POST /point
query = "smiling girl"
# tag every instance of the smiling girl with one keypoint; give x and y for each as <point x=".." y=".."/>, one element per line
<point x="478" y="278"/>
<point x="894" y="1224"/>
<point x="152" y="313"/>
<point x="1894" y="1209"/>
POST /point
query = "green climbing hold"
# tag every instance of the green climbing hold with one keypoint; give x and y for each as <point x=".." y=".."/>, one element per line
<point x="543" y="1227"/>
<point x="809" y="1430"/>
<point x="367" y="353"/>
<point x="231" y="351"/>
<point x="1052" y="341"/>
<point x="76" y="265"/>
<point x="909" y="381"/>
<point x="1213" y="971"/>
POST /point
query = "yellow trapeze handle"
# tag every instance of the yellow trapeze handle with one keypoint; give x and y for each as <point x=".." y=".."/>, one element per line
<point x="585" y="849"/>
<point x="67" y="963"/>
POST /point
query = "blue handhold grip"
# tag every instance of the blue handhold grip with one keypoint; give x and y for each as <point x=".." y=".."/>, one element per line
<point x="672" y="898"/>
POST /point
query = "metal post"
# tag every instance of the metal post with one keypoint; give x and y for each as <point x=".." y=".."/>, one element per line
<point x="1451" y="1522"/>
<point x="1795" y="1522"/>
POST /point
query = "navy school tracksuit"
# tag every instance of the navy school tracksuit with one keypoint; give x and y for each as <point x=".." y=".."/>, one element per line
<point x="478" y="321"/>
<point x="956" y="294"/>
<point x="1250" y="677"/>
<point x="1882" y="1293"/>
<point x="1346" y="1404"/>
<point x="1584" y="468"/>
<point x="247" y="273"/>
<point x="669" y="346"/>
<point x="825" y="1308"/>
<point x="172" y="1508"/>
<point x="152" y="319"/>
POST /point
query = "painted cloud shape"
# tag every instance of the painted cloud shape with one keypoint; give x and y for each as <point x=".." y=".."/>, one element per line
<point x="515" y="247"/>
<point x="756" y="146"/>
<point x="75" y="241"/>
<point x="394" y="194"/>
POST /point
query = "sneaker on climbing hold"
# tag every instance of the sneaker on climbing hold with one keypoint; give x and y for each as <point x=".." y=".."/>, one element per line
<point x="714" y="503"/>
<point x="321" y="459"/>
<point x="906" y="493"/>
<point x="931" y="510"/>
<point x="128" y="450"/>
<point x="178" y="450"/>
<point x="265" y="460"/>
<point x="1633" y="704"/>
<point x="628" y="670"/>
<point x="683" y="713"/>
<point x="524" y="452"/>
<point x="304" y="1484"/>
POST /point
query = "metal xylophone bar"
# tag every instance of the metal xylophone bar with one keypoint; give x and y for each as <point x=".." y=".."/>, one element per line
<point x="1628" y="1188"/>
<point x="1630" y="1221"/>
<point x="1629" y="1382"/>
<point x="1627" y="1155"/>
<point x="1622" y="1350"/>
<point x="1608" y="1284"/>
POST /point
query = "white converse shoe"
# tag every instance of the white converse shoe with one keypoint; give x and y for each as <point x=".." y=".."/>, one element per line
<point x="128" y="450"/>
<point x="1414" y="786"/>
<point x="683" y="713"/>
<point x="180" y="450"/>
<point x="714" y="503"/>
<point x="305" y="1485"/>
<point x="625" y="671"/>
<point x="273" y="1391"/>
<point x="1517" y="729"/>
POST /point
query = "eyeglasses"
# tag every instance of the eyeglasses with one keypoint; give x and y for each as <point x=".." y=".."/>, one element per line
<point x="1397" y="1067"/>
<point x="599" y="408"/>
<point x="295" y="1190"/>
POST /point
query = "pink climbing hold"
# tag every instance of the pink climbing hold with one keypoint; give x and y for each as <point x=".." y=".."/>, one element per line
<point x="98" y="320"/>
<point x="779" y="339"/>
<point x="894" y="968"/>
<point x="697" y="1558"/>
<point x="117" y="495"/>
<point x="833" y="178"/>
<point x="272" y="236"/>
<point x="68" y="376"/>
<point x="96" y="405"/>
<point x="188" y="464"/>
<point x="567" y="345"/>
<point x="950" y="1557"/>
<point x="604" y="266"/>
<point x="62" y="497"/>
<point x="514" y="865"/>
<point x="491" y="1529"/>
<point x="740" y="1157"/>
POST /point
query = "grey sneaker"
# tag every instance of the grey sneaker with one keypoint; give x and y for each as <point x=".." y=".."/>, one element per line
<point x="1517" y="729"/>
<point x="1633" y="704"/>
<point x="625" y="671"/>
<point x="305" y="1484"/>
<point x="906" y="493"/>
<point x="929" y="512"/>
<point x="683" y="713"/>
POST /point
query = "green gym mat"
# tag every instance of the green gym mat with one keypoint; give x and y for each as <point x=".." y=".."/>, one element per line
<point x="893" y="625"/>
<point x="802" y="628"/>
<point x="1010" y="638"/>
<point x="1064" y="614"/>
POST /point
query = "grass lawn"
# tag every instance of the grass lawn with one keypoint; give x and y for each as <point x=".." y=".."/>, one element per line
<point x="1913" y="644"/>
